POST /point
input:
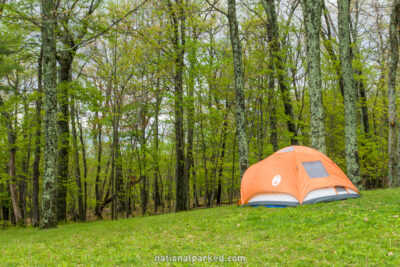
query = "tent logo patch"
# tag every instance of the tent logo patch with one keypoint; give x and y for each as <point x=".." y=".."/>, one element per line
<point x="276" y="180"/>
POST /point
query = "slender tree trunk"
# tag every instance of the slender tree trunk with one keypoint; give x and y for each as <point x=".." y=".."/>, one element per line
<point x="232" y="187"/>
<point x="350" y="94"/>
<point x="190" y="109"/>
<point x="38" y="134"/>
<point x="98" y="169"/>
<point x="49" y="203"/>
<point x="206" y="185"/>
<point x="11" y="172"/>
<point x="272" y="109"/>
<point x="359" y="77"/>
<point x="143" y="192"/>
<point x="157" y="198"/>
<point x="261" y="130"/>
<point x="278" y="62"/>
<point x="84" y="160"/>
<point x="179" y="28"/>
<point x="63" y="134"/>
<point x="25" y="163"/>
<point x="78" y="181"/>
<point x="312" y="10"/>
<point x="327" y="41"/>
<point x="239" y="88"/>
<point x="393" y="65"/>
<point x="363" y="102"/>
<point x="11" y="136"/>
<point x="221" y="167"/>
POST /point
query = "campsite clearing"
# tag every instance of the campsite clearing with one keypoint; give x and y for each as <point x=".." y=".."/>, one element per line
<point x="352" y="232"/>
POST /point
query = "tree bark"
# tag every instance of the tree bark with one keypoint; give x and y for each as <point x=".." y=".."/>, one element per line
<point x="84" y="160"/>
<point x="25" y="161"/>
<point x="312" y="10"/>
<point x="98" y="169"/>
<point x="178" y="40"/>
<point x="239" y="88"/>
<point x="65" y="61"/>
<point x="11" y="172"/>
<point x="157" y="198"/>
<point x="38" y="137"/>
<point x="49" y="204"/>
<point x="190" y="109"/>
<point x="11" y="136"/>
<point x="81" y="207"/>
<point x="350" y="94"/>
<point x="393" y="64"/>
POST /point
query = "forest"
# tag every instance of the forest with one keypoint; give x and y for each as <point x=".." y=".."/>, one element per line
<point x="119" y="108"/>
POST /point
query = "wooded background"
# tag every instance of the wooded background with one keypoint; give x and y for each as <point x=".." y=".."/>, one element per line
<point x="112" y="108"/>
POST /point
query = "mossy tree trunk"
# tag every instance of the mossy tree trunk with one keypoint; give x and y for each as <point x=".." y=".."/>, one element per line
<point x="65" y="62"/>
<point x="49" y="208"/>
<point x="350" y="94"/>
<point x="241" y="124"/>
<point x="312" y="10"/>
<point x="393" y="64"/>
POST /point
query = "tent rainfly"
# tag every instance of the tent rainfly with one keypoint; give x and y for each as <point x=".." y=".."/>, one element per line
<point x="293" y="176"/>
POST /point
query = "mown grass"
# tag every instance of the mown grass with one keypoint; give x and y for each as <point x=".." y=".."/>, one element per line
<point x="355" y="232"/>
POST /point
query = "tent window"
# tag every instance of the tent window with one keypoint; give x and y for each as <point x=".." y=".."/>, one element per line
<point x="341" y="190"/>
<point x="287" y="149"/>
<point x="315" y="169"/>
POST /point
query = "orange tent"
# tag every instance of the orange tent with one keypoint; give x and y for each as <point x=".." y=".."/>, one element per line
<point x="293" y="176"/>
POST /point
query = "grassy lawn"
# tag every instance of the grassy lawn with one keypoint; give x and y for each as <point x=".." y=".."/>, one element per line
<point x="354" y="232"/>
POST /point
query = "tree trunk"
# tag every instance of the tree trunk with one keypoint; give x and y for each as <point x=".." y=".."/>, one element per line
<point x="221" y="167"/>
<point x="38" y="134"/>
<point x="143" y="193"/>
<point x="190" y="110"/>
<point x="312" y="10"/>
<point x="327" y="42"/>
<point x="98" y="169"/>
<point x="278" y="63"/>
<point x="65" y="61"/>
<point x="25" y="162"/>
<point x="11" y="172"/>
<point x="81" y="211"/>
<point x="350" y="94"/>
<point x="206" y="183"/>
<point x="239" y="88"/>
<point x="49" y="203"/>
<point x="363" y="102"/>
<point x="11" y="136"/>
<point x="179" y="28"/>
<point x="393" y="64"/>
<point x="157" y="198"/>
<point x="84" y="160"/>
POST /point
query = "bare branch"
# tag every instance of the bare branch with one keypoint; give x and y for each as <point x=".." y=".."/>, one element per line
<point x="105" y="30"/>
<point x="216" y="8"/>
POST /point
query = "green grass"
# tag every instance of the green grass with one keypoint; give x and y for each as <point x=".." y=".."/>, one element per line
<point x="355" y="232"/>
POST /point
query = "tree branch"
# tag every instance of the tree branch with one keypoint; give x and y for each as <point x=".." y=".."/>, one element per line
<point x="216" y="8"/>
<point x="105" y="30"/>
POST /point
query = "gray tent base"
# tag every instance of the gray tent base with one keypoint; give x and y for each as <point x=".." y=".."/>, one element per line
<point x="311" y="201"/>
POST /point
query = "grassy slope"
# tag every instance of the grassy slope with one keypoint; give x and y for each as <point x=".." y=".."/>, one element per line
<point x="352" y="232"/>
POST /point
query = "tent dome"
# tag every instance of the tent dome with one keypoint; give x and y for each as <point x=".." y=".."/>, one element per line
<point x="293" y="176"/>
